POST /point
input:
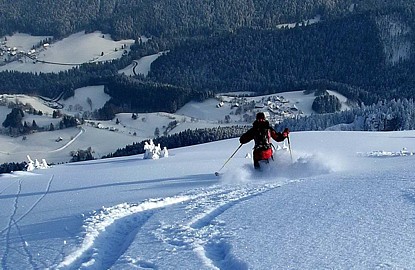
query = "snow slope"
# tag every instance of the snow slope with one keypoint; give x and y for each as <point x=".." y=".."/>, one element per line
<point x="22" y="41"/>
<point x="140" y="66"/>
<point x="332" y="208"/>
<point x="79" y="101"/>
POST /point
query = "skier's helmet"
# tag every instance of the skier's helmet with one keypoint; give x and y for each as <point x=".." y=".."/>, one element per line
<point x="260" y="116"/>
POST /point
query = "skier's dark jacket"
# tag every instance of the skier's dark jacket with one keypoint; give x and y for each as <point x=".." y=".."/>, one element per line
<point x="261" y="152"/>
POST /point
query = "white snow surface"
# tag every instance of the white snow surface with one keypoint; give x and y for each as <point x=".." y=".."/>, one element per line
<point x="23" y="41"/>
<point x="95" y="93"/>
<point x="327" y="208"/>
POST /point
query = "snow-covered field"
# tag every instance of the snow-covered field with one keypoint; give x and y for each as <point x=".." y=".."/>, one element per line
<point x="79" y="102"/>
<point x="67" y="53"/>
<point x="331" y="208"/>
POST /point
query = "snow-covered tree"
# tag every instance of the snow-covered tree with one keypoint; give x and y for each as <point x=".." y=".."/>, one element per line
<point x="153" y="151"/>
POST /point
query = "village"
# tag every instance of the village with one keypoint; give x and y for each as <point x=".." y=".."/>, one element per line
<point x="9" y="54"/>
<point x="275" y="107"/>
<point x="25" y="52"/>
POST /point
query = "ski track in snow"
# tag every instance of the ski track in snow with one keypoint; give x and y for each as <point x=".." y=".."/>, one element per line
<point x="8" y="228"/>
<point x="38" y="200"/>
<point x="109" y="232"/>
<point x="212" y="247"/>
<point x="13" y="222"/>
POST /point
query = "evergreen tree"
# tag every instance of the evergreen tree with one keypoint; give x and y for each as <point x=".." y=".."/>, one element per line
<point x="34" y="125"/>
<point x="14" y="118"/>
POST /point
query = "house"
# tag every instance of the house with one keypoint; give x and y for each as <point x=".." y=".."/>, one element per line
<point x="294" y="108"/>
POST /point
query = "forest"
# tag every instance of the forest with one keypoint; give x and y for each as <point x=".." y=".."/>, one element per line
<point x="393" y="115"/>
<point x="172" y="18"/>
<point x="270" y="61"/>
<point x="133" y="95"/>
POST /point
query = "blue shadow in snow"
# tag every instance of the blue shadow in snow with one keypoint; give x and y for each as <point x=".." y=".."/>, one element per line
<point x="194" y="180"/>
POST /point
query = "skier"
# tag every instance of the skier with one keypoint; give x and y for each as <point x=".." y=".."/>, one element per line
<point x="261" y="132"/>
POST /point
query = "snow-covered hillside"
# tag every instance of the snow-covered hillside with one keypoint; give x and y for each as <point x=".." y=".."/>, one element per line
<point x="61" y="55"/>
<point x="125" y="129"/>
<point x="332" y="208"/>
<point x="141" y="66"/>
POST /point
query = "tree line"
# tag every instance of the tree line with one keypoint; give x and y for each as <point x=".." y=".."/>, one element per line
<point x="15" y="126"/>
<point x="171" y="18"/>
<point x="326" y="104"/>
<point x="12" y="167"/>
<point x="385" y="115"/>
<point x="184" y="138"/>
<point x="141" y="96"/>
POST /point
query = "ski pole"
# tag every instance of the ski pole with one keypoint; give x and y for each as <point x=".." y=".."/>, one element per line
<point x="217" y="173"/>
<point x="289" y="148"/>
